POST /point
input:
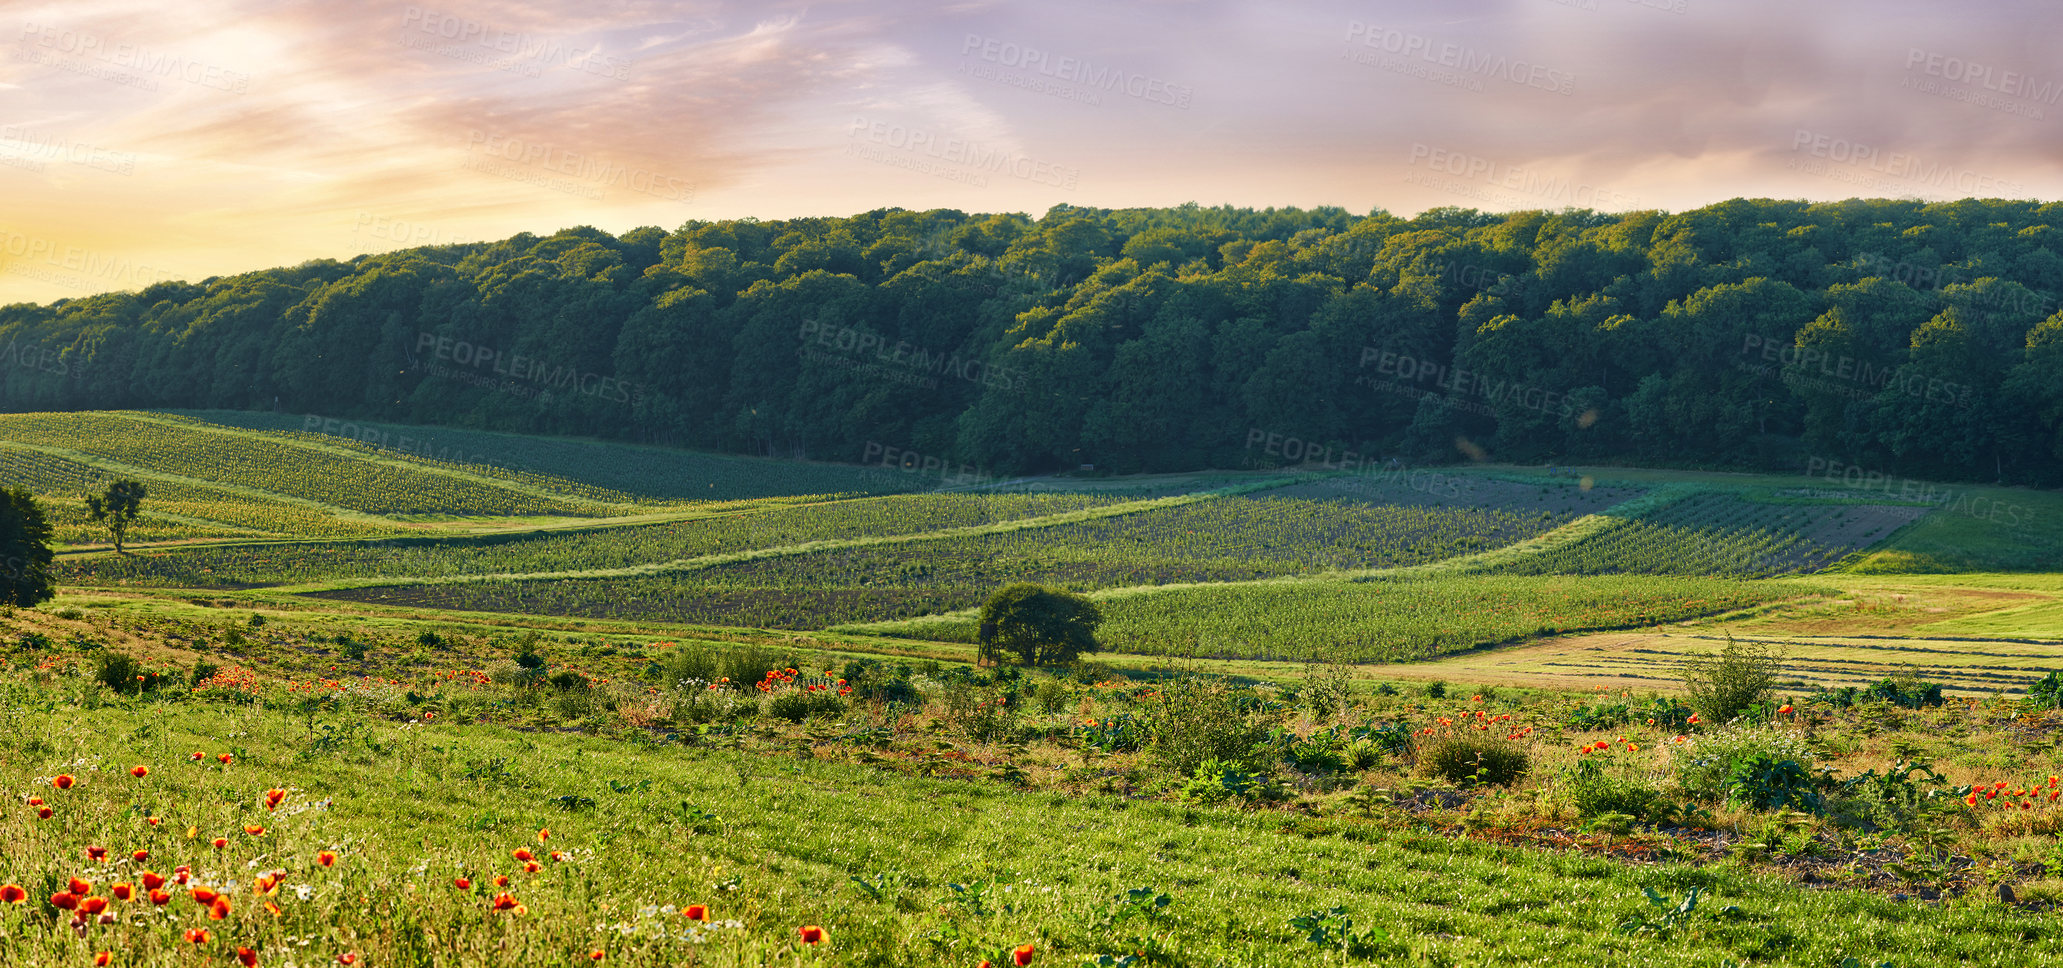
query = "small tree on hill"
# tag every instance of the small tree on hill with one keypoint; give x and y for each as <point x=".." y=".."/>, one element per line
<point x="1038" y="625"/>
<point x="24" y="550"/>
<point x="119" y="506"/>
<point x="1723" y="686"/>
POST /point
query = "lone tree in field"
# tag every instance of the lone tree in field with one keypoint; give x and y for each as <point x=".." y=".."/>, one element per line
<point x="1038" y="625"/>
<point x="119" y="506"/>
<point x="24" y="550"/>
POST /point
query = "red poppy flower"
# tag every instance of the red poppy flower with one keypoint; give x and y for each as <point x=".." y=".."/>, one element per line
<point x="532" y="867"/>
<point x="347" y="958"/>
<point x="558" y="857"/>
<point x="152" y="882"/>
<point x="62" y="781"/>
<point x="197" y="935"/>
<point x="205" y="895"/>
<point x="501" y="880"/>
<point x="325" y="858"/>
<point x="544" y="834"/>
<point x="596" y="955"/>
<point x="92" y="905"/>
<point x="811" y="934"/>
<point x="199" y="756"/>
<point x="160" y="898"/>
<point x="96" y="853"/>
<point x="697" y="912"/>
<point x="122" y="892"/>
<point x="523" y="853"/>
<point x="247" y="957"/>
<point x="226" y="759"/>
<point x="139" y="771"/>
<point x="43" y="813"/>
<point x="35" y="801"/>
<point x="140" y="856"/>
<point x="273" y="797"/>
<point x="64" y="901"/>
<point x="220" y="842"/>
<point x="1022" y="954"/>
<point x="79" y="886"/>
<point x="219" y="911"/>
<point x="12" y="894"/>
<point x="254" y="830"/>
<point x="504" y="902"/>
<point x="100" y="960"/>
<point x="462" y="884"/>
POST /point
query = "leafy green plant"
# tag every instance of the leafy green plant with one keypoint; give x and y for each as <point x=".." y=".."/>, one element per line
<point x="1721" y="686"/>
<point x="1334" y="928"/>
<point x="1596" y="790"/>
<point x="1664" y="916"/>
<point x="1473" y="759"/>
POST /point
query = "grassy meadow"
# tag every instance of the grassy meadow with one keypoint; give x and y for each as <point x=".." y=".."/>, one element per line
<point x="720" y="701"/>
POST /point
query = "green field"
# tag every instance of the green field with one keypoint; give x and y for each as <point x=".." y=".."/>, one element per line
<point x="749" y="684"/>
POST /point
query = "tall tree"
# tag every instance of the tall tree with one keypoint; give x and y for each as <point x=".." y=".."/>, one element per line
<point x="119" y="506"/>
<point x="24" y="550"/>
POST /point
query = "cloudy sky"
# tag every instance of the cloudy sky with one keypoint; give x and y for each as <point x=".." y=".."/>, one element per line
<point x="141" y="141"/>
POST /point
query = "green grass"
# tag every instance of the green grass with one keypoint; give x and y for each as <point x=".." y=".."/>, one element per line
<point x="770" y="844"/>
<point x="1382" y="621"/>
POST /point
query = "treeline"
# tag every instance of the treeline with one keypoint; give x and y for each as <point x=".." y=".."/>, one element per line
<point x="1897" y="336"/>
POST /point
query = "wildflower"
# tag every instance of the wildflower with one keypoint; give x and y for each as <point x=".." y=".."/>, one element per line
<point x="1971" y="799"/>
<point x="247" y="957"/>
<point x="160" y="898"/>
<point x="254" y="830"/>
<point x="62" y="781"/>
<point x="140" y="856"/>
<point x="504" y="902"/>
<point x="42" y="813"/>
<point x="197" y="935"/>
<point x="79" y="886"/>
<point x="35" y="801"/>
<point x="544" y="834"/>
<point x="325" y="858"/>
<point x="12" y="894"/>
<point x="501" y="880"/>
<point x="220" y="842"/>
<point x="524" y="854"/>
<point x="96" y="853"/>
<point x="1022" y="955"/>
<point x="347" y="958"/>
<point x="100" y="960"/>
<point x="1633" y="747"/>
<point x="1693" y="720"/>
<point x="92" y="905"/>
<point x="225" y="759"/>
<point x="462" y="884"/>
<point x="152" y="882"/>
<point x="532" y="867"/>
<point x="64" y="901"/>
<point x="204" y="895"/>
<point x="122" y="891"/>
<point x="695" y="912"/>
<point x="219" y="911"/>
<point x="198" y="756"/>
<point x="273" y="797"/>
<point x="1784" y="710"/>
<point x="558" y="857"/>
<point x="811" y="934"/>
<point x="139" y="771"/>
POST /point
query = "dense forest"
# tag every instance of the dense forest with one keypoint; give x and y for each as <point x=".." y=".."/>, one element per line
<point x="1905" y="337"/>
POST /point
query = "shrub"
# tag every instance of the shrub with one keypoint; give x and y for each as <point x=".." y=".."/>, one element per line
<point x="801" y="705"/>
<point x="1595" y="791"/>
<point x="1765" y="783"/>
<point x="1739" y="676"/>
<point x="1705" y="767"/>
<point x="1436" y="689"/>
<point x="1051" y="696"/>
<point x="1473" y="759"/>
<point x="1199" y="718"/>
<point x="121" y="673"/>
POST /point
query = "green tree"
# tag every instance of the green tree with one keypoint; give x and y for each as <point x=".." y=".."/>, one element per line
<point x="1038" y="625"/>
<point x="119" y="506"/>
<point x="24" y="550"/>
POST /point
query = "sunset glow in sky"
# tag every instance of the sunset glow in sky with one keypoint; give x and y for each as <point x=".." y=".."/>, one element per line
<point x="146" y="141"/>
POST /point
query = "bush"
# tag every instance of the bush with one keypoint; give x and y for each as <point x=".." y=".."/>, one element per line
<point x="1595" y="791"/>
<point x="1704" y="769"/>
<point x="1473" y="759"/>
<point x="1721" y="686"/>
<point x="799" y="705"/>
<point x="123" y="674"/>
<point x="1763" y="782"/>
<point x="1909" y="693"/>
<point x="1200" y="718"/>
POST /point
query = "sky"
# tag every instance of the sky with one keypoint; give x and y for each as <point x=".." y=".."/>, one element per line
<point x="145" y="141"/>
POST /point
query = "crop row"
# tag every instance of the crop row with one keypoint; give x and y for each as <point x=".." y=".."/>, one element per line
<point x="614" y="547"/>
<point x="1717" y="534"/>
<point x="61" y="486"/>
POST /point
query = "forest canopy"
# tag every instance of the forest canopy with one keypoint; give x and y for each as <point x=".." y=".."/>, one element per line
<point x="1905" y="337"/>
